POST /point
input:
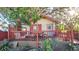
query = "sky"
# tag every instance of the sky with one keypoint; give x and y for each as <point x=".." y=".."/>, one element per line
<point x="4" y="22"/>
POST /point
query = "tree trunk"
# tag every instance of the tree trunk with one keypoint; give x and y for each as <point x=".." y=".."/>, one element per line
<point x="18" y="24"/>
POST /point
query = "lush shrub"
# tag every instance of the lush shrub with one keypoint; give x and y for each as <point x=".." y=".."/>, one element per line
<point x="59" y="45"/>
<point x="4" y="47"/>
<point x="47" y="45"/>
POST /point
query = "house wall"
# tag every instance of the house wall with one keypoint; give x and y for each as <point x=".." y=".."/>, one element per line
<point x="44" y="23"/>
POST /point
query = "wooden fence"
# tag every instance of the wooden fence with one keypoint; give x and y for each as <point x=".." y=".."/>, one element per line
<point x="28" y="35"/>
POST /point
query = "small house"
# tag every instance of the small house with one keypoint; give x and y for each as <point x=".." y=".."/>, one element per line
<point x="45" y="24"/>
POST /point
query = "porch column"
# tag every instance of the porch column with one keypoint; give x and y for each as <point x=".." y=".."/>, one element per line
<point x="54" y="26"/>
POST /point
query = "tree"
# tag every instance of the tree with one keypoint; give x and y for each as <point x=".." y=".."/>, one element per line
<point x="64" y="14"/>
<point x="59" y="13"/>
<point x="22" y="13"/>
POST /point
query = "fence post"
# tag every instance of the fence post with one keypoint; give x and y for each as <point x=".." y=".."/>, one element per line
<point x="37" y="43"/>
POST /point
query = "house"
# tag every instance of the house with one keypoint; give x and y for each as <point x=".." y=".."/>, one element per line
<point x="45" y="24"/>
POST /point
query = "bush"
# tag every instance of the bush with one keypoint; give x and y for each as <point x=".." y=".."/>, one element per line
<point x="47" y="45"/>
<point x="59" y="45"/>
<point x="4" y="47"/>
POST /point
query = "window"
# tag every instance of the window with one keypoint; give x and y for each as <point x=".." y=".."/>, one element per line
<point x="49" y="26"/>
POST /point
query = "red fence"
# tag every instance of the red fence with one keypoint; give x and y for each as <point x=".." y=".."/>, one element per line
<point x="3" y="35"/>
<point x="42" y="35"/>
<point x="27" y="35"/>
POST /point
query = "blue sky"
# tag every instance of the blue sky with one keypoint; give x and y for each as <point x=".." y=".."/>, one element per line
<point x="3" y="19"/>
